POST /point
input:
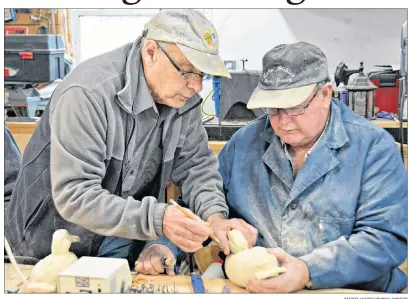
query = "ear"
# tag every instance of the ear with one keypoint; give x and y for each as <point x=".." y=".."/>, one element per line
<point x="326" y="93"/>
<point x="149" y="52"/>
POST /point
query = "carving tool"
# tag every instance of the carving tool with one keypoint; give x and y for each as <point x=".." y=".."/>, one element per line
<point x="168" y="262"/>
<point x="196" y="280"/>
<point x="193" y="216"/>
<point x="165" y="262"/>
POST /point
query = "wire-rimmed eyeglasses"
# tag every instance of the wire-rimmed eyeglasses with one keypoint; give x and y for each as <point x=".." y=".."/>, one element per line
<point x="186" y="75"/>
<point x="293" y="111"/>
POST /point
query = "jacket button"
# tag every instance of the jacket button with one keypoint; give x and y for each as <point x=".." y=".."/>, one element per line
<point x="293" y="206"/>
<point x="131" y="172"/>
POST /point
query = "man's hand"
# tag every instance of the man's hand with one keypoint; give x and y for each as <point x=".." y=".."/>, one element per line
<point x="184" y="232"/>
<point x="294" y="279"/>
<point x="149" y="260"/>
<point x="221" y="226"/>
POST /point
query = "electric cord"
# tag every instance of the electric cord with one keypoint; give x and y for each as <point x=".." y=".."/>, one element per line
<point x="205" y="100"/>
<point x="48" y="21"/>
<point x="14" y="263"/>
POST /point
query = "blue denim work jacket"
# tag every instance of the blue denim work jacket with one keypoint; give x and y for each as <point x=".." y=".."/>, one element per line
<point x="344" y="214"/>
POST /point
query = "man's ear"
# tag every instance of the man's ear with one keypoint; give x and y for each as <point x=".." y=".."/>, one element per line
<point x="327" y="90"/>
<point x="326" y="93"/>
<point x="149" y="52"/>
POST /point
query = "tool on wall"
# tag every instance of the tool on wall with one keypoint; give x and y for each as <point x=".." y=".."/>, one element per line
<point x="39" y="17"/>
<point x="342" y="74"/>
<point x="10" y="14"/>
<point x="24" y="10"/>
<point x="244" y="60"/>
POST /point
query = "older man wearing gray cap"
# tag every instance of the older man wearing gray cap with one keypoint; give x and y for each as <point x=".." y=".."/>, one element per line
<point x="116" y="130"/>
<point x="326" y="189"/>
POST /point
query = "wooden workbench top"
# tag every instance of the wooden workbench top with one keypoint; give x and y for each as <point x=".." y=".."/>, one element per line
<point x="389" y="124"/>
<point x="32" y="123"/>
<point x="23" y="128"/>
<point x="182" y="283"/>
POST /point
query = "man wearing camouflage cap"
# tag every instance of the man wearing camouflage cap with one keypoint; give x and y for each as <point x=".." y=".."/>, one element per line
<point x="326" y="188"/>
<point x="116" y="130"/>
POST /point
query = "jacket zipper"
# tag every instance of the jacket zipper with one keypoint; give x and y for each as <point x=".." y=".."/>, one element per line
<point x="132" y="131"/>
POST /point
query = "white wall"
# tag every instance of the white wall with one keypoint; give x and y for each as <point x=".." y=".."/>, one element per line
<point x="349" y="35"/>
<point x="352" y="35"/>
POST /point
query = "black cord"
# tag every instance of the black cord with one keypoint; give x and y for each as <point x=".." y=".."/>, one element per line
<point x="191" y="263"/>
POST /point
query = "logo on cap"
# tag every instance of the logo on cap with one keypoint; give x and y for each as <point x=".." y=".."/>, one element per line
<point x="278" y="74"/>
<point x="211" y="39"/>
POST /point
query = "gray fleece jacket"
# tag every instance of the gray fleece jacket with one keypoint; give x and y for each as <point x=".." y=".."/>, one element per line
<point x="81" y="163"/>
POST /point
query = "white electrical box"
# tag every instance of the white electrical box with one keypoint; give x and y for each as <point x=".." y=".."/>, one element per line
<point x="95" y="275"/>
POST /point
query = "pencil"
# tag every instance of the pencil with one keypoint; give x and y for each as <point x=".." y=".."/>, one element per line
<point x="194" y="217"/>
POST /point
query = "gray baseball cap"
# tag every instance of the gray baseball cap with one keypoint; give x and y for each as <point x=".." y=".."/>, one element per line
<point x="290" y="74"/>
<point x="193" y="34"/>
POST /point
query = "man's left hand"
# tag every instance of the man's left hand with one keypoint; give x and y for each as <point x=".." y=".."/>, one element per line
<point x="221" y="226"/>
<point x="294" y="279"/>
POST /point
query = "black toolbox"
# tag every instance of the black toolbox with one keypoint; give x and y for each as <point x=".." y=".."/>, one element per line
<point x="33" y="58"/>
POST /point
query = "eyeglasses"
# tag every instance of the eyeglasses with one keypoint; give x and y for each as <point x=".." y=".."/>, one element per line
<point x="187" y="75"/>
<point x="293" y="111"/>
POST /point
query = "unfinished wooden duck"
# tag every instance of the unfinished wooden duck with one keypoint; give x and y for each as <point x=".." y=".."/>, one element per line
<point x="43" y="277"/>
<point x="244" y="262"/>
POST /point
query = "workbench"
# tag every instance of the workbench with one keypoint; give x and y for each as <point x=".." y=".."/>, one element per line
<point x="217" y="146"/>
<point x="182" y="283"/>
<point x="22" y="131"/>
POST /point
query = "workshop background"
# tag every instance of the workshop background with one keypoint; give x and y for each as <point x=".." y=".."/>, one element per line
<point x="371" y="43"/>
<point x="371" y="36"/>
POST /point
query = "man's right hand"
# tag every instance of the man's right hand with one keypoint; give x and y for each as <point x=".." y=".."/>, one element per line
<point x="222" y="226"/>
<point x="149" y="260"/>
<point x="186" y="233"/>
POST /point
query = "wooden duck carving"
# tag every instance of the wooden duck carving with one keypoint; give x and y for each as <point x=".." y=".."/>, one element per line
<point x="244" y="262"/>
<point x="43" y="278"/>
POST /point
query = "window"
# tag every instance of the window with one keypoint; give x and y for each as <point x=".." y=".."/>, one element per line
<point x="96" y="31"/>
